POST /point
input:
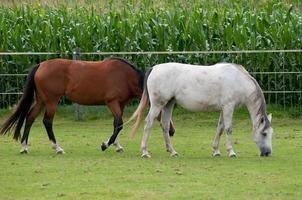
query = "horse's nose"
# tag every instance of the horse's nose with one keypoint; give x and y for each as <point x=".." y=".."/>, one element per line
<point x="266" y="153"/>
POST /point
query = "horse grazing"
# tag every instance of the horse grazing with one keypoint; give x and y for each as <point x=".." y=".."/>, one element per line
<point x="220" y="87"/>
<point x="112" y="82"/>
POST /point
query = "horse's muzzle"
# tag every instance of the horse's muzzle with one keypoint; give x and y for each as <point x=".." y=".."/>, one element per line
<point x="266" y="152"/>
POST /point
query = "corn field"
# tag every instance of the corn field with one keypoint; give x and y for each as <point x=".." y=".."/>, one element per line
<point x="158" y="26"/>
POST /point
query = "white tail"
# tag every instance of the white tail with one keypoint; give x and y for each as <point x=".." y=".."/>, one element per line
<point x="139" y="113"/>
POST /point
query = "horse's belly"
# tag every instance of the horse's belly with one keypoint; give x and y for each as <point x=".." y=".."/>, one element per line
<point x="195" y="105"/>
<point x="85" y="99"/>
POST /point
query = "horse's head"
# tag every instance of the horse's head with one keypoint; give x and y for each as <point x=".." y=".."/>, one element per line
<point x="262" y="134"/>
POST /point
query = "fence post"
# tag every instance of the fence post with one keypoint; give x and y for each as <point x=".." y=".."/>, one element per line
<point x="77" y="112"/>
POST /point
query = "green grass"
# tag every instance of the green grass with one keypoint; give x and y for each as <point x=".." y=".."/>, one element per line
<point x="85" y="172"/>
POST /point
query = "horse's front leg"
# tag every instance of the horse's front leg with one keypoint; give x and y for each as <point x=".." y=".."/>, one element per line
<point x="227" y="120"/>
<point x="219" y="132"/>
<point x="116" y="110"/>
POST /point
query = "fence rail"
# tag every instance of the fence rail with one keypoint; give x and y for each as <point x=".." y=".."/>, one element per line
<point x="271" y="91"/>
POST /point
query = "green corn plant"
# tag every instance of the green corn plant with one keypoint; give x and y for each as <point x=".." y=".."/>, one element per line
<point x="143" y="25"/>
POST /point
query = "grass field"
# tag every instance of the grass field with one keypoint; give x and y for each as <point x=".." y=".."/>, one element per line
<point x="85" y="172"/>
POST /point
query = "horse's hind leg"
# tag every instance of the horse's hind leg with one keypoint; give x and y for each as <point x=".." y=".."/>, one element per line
<point x="227" y="120"/>
<point x="171" y="129"/>
<point x="117" y="112"/>
<point x="30" y="118"/>
<point x="153" y="113"/>
<point x="48" y="121"/>
<point x="166" y="115"/>
<point x="116" y="144"/>
<point x="219" y="132"/>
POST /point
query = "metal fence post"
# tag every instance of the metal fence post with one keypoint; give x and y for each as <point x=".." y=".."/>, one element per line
<point x="77" y="112"/>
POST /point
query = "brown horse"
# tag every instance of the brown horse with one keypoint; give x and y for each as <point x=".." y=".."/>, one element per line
<point x="112" y="82"/>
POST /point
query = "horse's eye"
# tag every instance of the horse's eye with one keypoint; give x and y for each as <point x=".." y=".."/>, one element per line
<point x="264" y="134"/>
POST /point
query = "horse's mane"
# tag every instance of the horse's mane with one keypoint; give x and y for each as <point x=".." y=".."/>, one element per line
<point x="258" y="94"/>
<point x="124" y="61"/>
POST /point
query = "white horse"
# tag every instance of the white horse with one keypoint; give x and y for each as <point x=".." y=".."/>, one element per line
<point x="220" y="87"/>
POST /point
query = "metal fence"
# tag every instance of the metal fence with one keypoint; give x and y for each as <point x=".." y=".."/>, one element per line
<point x="282" y="92"/>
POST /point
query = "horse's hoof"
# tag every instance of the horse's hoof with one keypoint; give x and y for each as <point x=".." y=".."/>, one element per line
<point x="146" y="156"/>
<point x="216" y="154"/>
<point x="174" y="155"/>
<point x="60" y="152"/>
<point x="103" y="146"/>
<point x="24" y="151"/>
<point x="120" y="150"/>
<point x="233" y="155"/>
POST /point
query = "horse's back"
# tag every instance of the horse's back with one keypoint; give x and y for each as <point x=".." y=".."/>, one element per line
<point x="201" y="87"/>
<point x="86" y="82"/>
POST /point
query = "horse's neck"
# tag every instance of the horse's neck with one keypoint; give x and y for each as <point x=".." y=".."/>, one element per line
<point x="256" y="109"/>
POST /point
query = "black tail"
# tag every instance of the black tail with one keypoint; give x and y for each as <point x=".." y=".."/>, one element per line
<point x="139" y="112"/>
<point x="17" y="118"/>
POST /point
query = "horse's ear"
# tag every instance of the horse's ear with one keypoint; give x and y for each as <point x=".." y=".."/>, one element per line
<point x="269" y="117"/>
